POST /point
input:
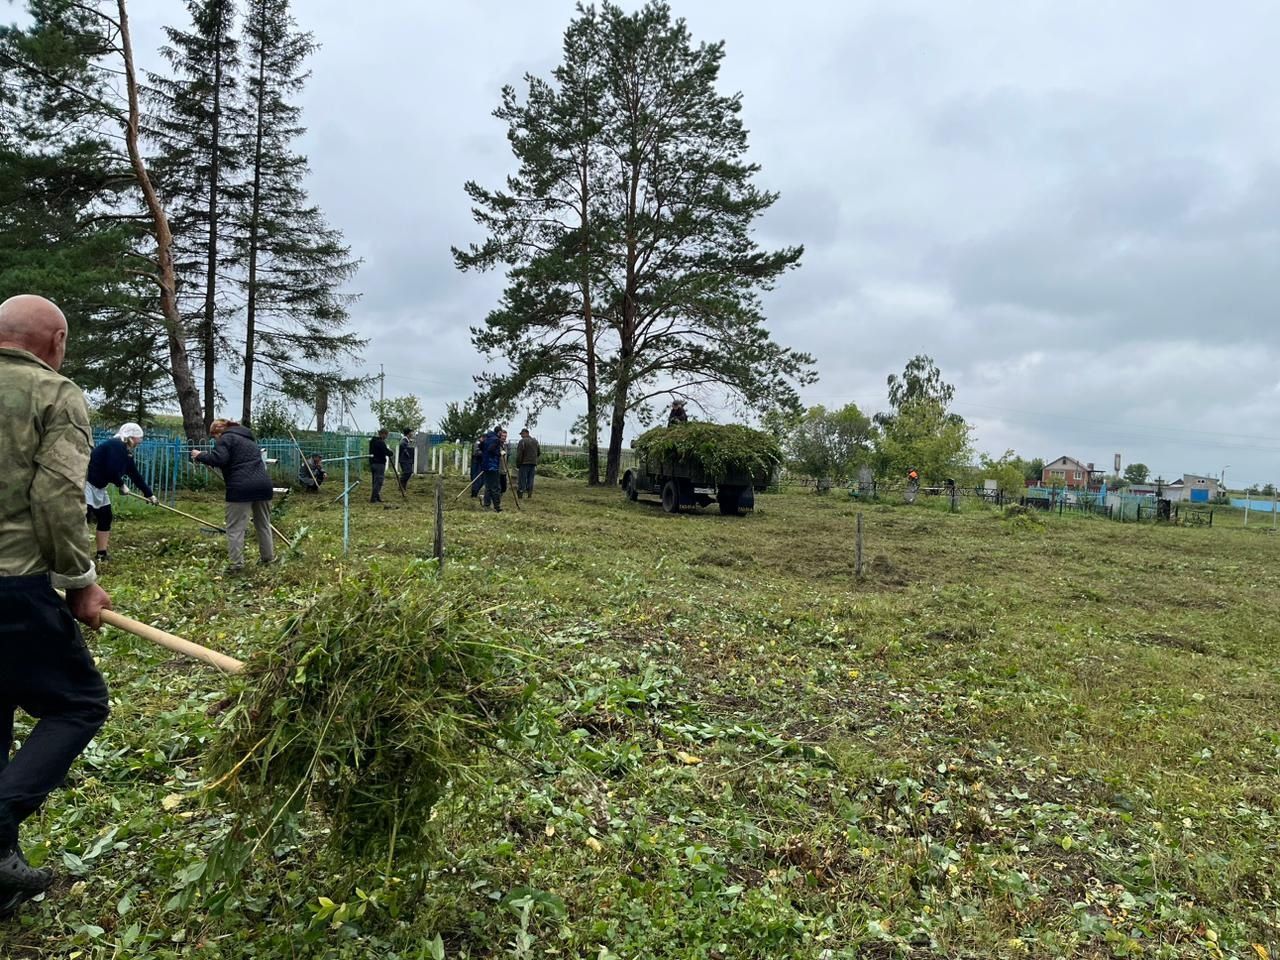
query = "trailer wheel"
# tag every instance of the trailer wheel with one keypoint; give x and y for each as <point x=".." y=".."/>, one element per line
<point x="728" y="498"/>
<point x="629" y="485"/>
<point x="671" y="497"/>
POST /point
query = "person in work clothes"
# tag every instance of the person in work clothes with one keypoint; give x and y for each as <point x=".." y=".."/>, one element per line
<point x="405" y="458"/>
<point x="527" y="455"/>
<point x="237" y="455"/>
<point x="112" y="462"/>
<point x="491" y="456"/>
<point x="47" y="670"/>
<point x="379" y="454"/>
<point x="311" y="475"/>
<point x="677" y="414"/>
<point x="477" y="468"/>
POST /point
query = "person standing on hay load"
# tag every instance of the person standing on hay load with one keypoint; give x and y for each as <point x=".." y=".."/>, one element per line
<point x="379" y="454"/>
<point x="111" y="462"/>
<point x="491" y="456"/>
<point x="311" y="475"/>
<point x="677" y="414"/>
<point x="47" y="669"/>
<point x="405" y="458"/>
<point x="527" y="455"/>
<point x="237" y="455"/>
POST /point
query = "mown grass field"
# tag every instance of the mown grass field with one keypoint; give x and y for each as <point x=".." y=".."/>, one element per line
<point x="1012" y="738"/>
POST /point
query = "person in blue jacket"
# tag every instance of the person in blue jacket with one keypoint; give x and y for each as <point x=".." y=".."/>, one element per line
<point x="112" y="462"/>
<point x="492" y="449"/>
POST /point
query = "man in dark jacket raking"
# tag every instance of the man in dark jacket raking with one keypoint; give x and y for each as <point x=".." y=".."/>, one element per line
<point x="379" y="454"/>
<point x="111" y="462"/>
<point x="491" y="453"/>
<point x="405" y="456"/>
<point x="237" y="455"/>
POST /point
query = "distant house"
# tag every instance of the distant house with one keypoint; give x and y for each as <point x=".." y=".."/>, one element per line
<point x="1070" y="473"/>
<point x="1189" y="487"/>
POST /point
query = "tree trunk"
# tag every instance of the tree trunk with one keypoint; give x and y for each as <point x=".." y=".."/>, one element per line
<point x="184" y="384"/>
<point x="589" y="329"/>
<point x="251" y="301"/>
<point x="322" y="406"/>
<point x="627" y="331"/>
<point x="208" y="333"/>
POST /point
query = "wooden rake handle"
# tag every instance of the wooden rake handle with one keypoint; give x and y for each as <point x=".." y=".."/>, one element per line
<point x="171" y="642"/>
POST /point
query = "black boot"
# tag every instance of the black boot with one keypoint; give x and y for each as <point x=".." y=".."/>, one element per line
<point x="19" y="881"/>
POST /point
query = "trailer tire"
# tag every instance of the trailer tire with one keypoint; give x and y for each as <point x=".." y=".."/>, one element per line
<point x="671" y="497"/>
<point x="728" y="499"/>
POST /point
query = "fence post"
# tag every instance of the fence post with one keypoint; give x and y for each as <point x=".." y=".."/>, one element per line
<point x="346" y="496"/>
<point x="1246" y="508"/>
<point x="857" y="548"/>
<point x="439" y="539"/>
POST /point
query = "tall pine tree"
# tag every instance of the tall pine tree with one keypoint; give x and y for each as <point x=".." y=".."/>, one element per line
<point x="685" y="273"/>
<point x="198" y="126"/>
<point x="295" y="264"/>
<point x="543" y="227"/>
<point x="627" y="231"/>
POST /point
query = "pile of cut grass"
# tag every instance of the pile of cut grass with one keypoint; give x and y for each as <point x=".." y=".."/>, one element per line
<point x="374" y="699"/>
<point x="720" y="448"/>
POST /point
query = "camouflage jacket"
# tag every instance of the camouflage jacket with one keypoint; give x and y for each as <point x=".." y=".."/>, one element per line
<point x="45" y="436"/>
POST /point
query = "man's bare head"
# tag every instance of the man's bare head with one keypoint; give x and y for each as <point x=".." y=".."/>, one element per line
<point x="33" y="324"/>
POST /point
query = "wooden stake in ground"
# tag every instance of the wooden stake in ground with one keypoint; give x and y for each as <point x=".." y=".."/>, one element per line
<point x="857" y="549"/>
<point x="439" y="540"/>
<point x="189" y="516"/>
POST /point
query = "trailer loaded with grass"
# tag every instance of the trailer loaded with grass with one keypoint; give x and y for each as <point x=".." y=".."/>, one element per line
<point x="697" y="464"/>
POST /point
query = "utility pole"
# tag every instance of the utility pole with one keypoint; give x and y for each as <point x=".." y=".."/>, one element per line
<point x="382" y="384"/>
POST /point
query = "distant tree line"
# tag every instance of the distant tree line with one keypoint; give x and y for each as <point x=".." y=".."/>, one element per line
<point x="167" y="214"/>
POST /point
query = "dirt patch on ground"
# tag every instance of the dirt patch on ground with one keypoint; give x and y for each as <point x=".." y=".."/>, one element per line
<point x="1172" y="642"/>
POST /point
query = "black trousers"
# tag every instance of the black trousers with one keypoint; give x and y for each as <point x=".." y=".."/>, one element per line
<point x="45" y="669"/>
<point x="493" y="489"/>
<point x="379" y="473"/>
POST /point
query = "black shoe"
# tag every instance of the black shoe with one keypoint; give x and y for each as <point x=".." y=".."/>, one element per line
<point x="19" y="881"/>
<point x="101" y="556"/>
<point x="266" y="563"/>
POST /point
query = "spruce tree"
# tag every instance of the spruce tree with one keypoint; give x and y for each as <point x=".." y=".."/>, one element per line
<point x="67" y="226"/>
<point x="197" y="124"/>
<point x="294" y="264"/>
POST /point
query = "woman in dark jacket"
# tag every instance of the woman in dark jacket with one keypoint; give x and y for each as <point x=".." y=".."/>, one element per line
<point x="405" y="457"/>
<point x="237" y="455"/>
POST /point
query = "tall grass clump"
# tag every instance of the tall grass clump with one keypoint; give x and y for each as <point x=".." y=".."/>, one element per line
<point x="720" y="448"/>
<point x="370" y="703"/>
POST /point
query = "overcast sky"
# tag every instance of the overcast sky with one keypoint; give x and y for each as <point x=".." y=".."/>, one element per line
<point x="1073" y="207"/>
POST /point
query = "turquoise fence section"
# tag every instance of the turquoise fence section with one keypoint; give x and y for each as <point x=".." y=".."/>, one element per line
<point x="1260" y="506"/>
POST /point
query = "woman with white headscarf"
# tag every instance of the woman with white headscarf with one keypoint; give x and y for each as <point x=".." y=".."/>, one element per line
<point x="112" y="462"/>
